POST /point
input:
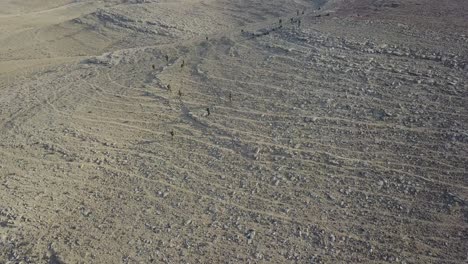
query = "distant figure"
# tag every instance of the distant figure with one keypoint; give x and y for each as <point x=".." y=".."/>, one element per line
<point x="167" y="58"/>
<point x="153" y="66"/>
<point x="169" y="87"/>
<point x="230" y="97"/>
<point x="208" y="111"/>
<point x="172" y="134"/>
<point x="280" y="21"/>
<point x="303" y="11"/>
<point x="180" y="93"/>
<point x="206" y="37"/>
<point x="297" y="12"/>
<point x="183" y="64"/>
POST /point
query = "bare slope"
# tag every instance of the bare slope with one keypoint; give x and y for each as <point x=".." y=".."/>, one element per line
<point x="339" y="140"/>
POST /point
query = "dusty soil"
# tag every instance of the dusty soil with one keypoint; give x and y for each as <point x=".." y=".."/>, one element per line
<point x="211" y="132"/>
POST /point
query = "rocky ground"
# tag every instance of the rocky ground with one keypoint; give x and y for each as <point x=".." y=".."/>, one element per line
<point x="242" y="131"/>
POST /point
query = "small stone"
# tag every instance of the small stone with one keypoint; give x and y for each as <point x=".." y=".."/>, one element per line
<point x="86" y="213"/>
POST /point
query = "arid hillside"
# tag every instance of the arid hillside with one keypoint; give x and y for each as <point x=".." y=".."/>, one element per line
<point x="220" y="131"/>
